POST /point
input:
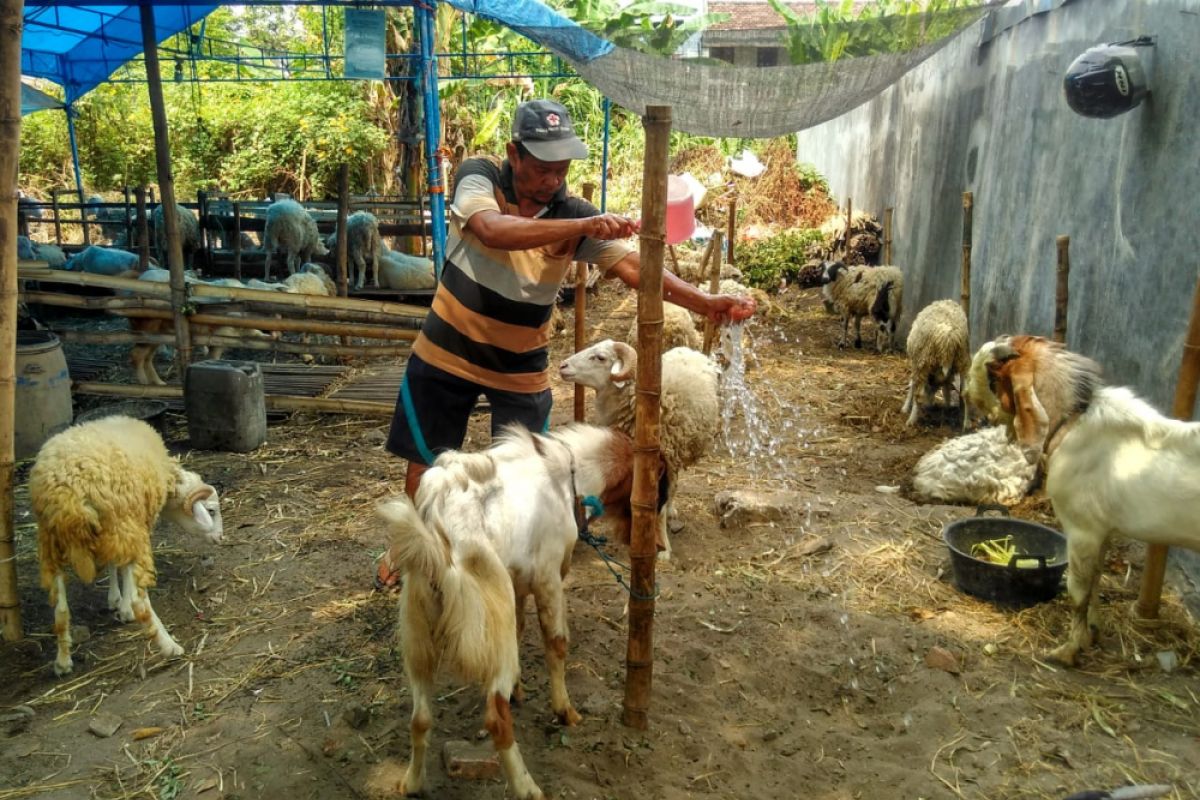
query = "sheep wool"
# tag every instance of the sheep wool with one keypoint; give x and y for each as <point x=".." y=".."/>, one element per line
<point x="189" y="233"/>
<point x="290" y="228"/>
<point x="875" y="292"/>
<point x="938" y="356"/>
<point x="679" y="329"/>
<point x="979" y="467"/>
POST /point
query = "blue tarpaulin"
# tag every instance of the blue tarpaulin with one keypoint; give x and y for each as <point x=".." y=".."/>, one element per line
<point x="34" y="100"/>
<point x="79" y="46"/>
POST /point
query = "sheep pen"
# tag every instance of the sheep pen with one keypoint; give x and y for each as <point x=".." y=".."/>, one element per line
<point x="826" y="653"/>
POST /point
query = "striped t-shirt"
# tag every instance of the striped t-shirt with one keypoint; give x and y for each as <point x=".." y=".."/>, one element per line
<point x="490" y="319"/>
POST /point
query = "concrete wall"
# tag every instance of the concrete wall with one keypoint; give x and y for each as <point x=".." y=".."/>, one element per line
<point x="992" y="120"/>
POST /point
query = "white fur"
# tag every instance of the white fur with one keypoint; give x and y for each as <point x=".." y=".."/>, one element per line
<point x="290" y="228"/>
<point x="938" y="356"/>
<point x="979" y="467"/>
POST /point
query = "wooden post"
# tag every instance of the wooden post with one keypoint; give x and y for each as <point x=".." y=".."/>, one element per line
<point x="1183" y="408"/>
<point x="581" y="276"/>
<point x="968" y="210"/>
<point x="202" y="212"/>
<point x="11" y="16"/>
<point x="128" y="222"/>
<point x="166" y="190"/>
<point x="343" y="241"/>
<point x="143" y="229"/>
<point x="714" y="286"/>
<point x="731" y="225"/>
<point x="1063" y="243"/>
<point x="57" y="218"/>
<point x="849" y="226"/>
<point x="887" y="236"/>
<point x="237" y="241"/>
<point x="83" y="220"/>
<point x="639" y="655"/>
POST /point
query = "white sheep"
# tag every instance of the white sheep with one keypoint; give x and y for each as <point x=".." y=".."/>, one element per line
<point x="189" y="234"/>
<point x="310" y="279"/>
<point x="402" y="272"/>
<point x="52" y="254"/>
<point x="488" y="530"/>
<point x="363" y="247"/>
<point x="979" y="467"/>
<point x="102" y="261"/>
<point x="691" y="409"/>
<point x="96" y="491"/>
<point x="290" y="228"/>
<point x="877" y="292"/>
<point x="939" y="356"/>
<point x="678" y="330"/>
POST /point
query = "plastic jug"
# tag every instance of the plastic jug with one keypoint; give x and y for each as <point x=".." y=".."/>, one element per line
<point x="681" y="210"/>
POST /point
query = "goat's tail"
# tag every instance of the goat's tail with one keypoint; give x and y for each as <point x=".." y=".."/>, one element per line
<point x="476" y="626"/>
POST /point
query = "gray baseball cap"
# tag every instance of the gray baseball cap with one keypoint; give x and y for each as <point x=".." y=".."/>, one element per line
<point x="546" y="130"/>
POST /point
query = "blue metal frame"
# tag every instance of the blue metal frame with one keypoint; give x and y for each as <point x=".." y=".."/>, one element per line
<point x="424" y="19"/>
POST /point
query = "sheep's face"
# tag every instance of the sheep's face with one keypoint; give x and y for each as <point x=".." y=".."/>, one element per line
<point x="830" y="271"/>
<point x="599" y="365"/>
<point x="195" y="506"/>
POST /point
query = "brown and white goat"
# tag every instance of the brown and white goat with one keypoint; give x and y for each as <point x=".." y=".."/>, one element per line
<point x="488" y="530"/>
<point x="1114" y="465"/>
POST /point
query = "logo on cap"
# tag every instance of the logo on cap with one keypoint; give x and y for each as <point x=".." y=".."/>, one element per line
<point x="553" y="119"/>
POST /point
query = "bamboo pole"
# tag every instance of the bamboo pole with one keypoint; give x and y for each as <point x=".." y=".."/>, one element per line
<point x="271" y="323"/>
<point x="274" y="402"/>
<point x="226" y="293"/>
<point x="887" y="235"/>
<point x="93" y="303"/>
<point x="127" y="222"/>
<point x="143" y="229"/>
<point x="639" y="658"/>
<point x="968" y="201"/>
<point x="57" y="217"/>
<point x="242" y="343"/>
<point x="849" y="227"/>
<point x="1184" y="406"/>
<point x="714" y="286"/>
<point x="731" y="224"/>
<point x="166" y="189"/>
<point x="581" y="276"/>
<point x="205" y="245"/>
<point x="1063" y="271"/>
<point x="343" y="241"/>
<point x="10" y="138"/>
<point x="237" y="241"/>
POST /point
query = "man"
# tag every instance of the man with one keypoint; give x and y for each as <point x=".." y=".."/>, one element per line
<point x="514" y="232"/>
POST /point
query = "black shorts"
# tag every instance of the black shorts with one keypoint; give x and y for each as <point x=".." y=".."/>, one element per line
<point x="434" y="406"/>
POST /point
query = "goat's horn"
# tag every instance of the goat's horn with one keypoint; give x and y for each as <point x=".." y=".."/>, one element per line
<point x="628" y="358"/>
<point x="198" y="494"/>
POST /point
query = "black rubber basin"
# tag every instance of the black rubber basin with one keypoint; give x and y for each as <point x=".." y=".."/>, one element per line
<point x="1041" y="553"/>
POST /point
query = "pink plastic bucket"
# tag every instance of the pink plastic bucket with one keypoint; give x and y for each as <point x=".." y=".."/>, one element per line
<point x="681" y="210"/>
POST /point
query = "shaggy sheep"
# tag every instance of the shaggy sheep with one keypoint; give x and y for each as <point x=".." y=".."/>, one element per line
<point x="102" y="261"/>
<point x="96" y="491"/>
<point x="25" y="249"/>
<point x="363" y="247"/>
<point x="488" y="530"/>
<point x="678" y="330"/>
<point x="290" y="228"/>
<point x="311" y="279"/>
<point x="1114" y="465"/>
<point x="189" y="234"/>
<point x="402" y="272"/>
<point x="52" y="254"/>
<point x="938" y="356"/>
<point x="877" y="292"/>
<point x="979" y="467"/>
<point x="691" y="408"/>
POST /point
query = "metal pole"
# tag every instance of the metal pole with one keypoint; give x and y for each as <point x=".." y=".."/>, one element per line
<point x="87" y="239"/>
<point x="425" y="17"/>
<point x="604" y="158"/>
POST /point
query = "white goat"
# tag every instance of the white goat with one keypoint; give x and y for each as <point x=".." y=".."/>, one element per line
<point x="96" y="490"/>
<point x="939" y="356"/>
<point x="691" y="408"/>
<point x="877" y="292"/>
<point x="1115" y="466"/>
<point x="488" y="530"/>
<point x="290" y="228"/>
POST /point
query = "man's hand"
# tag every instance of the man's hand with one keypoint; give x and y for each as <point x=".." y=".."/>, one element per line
<point x="724" y="308"/>
<point x="609" y="226"/>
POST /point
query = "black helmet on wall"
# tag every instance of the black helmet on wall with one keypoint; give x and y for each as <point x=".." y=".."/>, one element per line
<point x="1106" y="80"/>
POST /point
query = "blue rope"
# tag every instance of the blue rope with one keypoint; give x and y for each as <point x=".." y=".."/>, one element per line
<point x="594" y="508"/>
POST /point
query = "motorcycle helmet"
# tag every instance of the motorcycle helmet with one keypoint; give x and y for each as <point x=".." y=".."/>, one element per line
<point x="1106" y="80"/>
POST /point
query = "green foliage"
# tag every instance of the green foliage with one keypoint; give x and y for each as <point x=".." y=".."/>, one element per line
<point x="837" y="30"/>
<point x="768" y="261"/>
<point x="810" y="178"/>
<point x="650" y="26"/>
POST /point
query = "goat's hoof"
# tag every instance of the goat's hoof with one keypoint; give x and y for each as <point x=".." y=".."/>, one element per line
<point x="1066" y="655"/>
<point x="125" y="614"/>
<point x="570" y="717"/>
<point x="62" y="668"/>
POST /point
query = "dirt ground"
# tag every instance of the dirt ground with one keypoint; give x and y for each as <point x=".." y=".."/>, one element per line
<point x="790" y="660"/>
